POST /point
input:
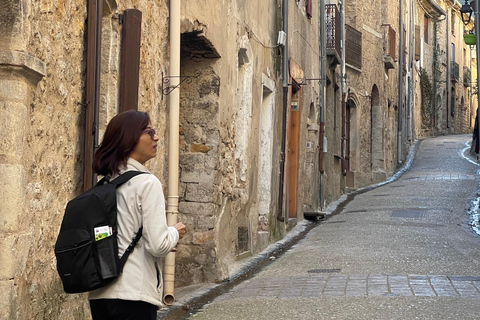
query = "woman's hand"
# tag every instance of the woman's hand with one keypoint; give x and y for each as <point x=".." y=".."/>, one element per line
<point x="181" y="229"/>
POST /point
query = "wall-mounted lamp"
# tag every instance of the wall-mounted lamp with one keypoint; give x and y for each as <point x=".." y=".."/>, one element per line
<point x="466" y="12"/>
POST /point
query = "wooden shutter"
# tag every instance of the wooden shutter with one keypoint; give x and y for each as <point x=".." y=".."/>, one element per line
<point x="130" y="60"/>
<point x="417" y="42"/>
<point x="92" y="84"/>
<point x="308" y="4"/>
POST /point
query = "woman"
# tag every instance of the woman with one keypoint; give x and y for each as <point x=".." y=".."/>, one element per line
<point x="128" y="143"/>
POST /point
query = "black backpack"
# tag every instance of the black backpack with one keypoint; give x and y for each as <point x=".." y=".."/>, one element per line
<point x="87" y="247"/>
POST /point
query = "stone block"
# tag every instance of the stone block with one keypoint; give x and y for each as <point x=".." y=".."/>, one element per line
<point x="13" y="90"/>
<point x="12" y="196"/>
<point x="197" y="208"/>
<point x="203" y="237"/>
<point x="197" y="175"/>
<point x="200" y="192"/>
<point x="262" y="240"/>
<point x="13" y="249"/>
<point x="191" y="160"/>
<point x="200" y="148"/>
<point x="25" y="64"/>
<point x="7" y="294"/>
<point x="14" y="120"/>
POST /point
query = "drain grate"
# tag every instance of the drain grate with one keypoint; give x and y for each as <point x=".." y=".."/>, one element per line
<point x="409" y="214"/>
<point x="324" y="271"/>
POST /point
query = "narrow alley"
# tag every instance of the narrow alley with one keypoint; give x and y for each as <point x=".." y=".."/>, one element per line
<point x="403" y="250"/>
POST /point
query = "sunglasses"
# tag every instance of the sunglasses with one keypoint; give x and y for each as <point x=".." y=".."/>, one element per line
<point x="150" y="131"/>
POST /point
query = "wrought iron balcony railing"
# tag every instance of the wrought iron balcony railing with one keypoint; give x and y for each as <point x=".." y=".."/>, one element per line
<point x="333" y="30"/>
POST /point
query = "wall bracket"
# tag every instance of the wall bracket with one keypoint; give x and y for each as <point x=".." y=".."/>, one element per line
<point x="167" y="89"/>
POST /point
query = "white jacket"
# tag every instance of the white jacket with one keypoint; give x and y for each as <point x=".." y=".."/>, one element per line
<point x="140" y="201"/>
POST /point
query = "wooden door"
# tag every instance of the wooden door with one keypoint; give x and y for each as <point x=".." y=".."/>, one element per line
<point x="293" y="154"/>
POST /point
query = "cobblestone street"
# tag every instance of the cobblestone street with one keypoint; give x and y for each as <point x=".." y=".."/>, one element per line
<point x="404" y="249"/>
<point x="331" y="285"/>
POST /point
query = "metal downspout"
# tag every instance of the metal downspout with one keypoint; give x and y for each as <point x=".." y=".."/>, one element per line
<point x="285" y="77"/>
<point x="344" y="90"/>
<point x="413" y="69"/>
<point x="323" y="63"/>
<point x="410" y="74"/>
<point x="173" y="146"/>
<point x="400" y="85"/>
<point x="449" y="47"/>
<point x="477" y="36"/>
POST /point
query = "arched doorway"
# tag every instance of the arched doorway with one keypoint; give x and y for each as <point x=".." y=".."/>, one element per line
<point x="351" y="142"/>
<point x="376" y="134"/>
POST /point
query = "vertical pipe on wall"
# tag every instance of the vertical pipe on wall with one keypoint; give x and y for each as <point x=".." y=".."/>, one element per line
<point x="285" y="78"/>
<point x="413" y="71"/>
<point x="410" y="73"/>
<point x="173" y="145"/>
<point x="323" y="75"/>
<point x="344" y="90"/>
<point x="449" y="65"/>
<point x="400" y="84"/>
<point x="477" y="36"/>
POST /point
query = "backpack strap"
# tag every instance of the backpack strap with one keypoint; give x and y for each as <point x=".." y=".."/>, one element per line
<point x="130" y="249"/>
<point x="121" y="179"/>
<point x="117" y="182"/>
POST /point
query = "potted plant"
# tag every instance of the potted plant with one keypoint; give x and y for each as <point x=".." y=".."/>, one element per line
<point x="469" y="38"/>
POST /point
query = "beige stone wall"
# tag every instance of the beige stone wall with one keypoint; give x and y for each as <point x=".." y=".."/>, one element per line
<point x="42" y="126"/>
<point x="230" y="135"/>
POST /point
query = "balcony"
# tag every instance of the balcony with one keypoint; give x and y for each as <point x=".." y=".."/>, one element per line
<point x="455" y="69"/>
<point x="353" y="47"/>
<point x="389" y="47"/>
<point x="333" y="30"/>
<point x="467" y="77"/>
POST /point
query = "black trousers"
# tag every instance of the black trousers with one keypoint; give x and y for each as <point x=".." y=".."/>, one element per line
<point x="116" y="309"/>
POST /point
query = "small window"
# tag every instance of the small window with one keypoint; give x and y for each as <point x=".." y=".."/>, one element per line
<point x="425" y="29"/>
<point x="453" y="22"/>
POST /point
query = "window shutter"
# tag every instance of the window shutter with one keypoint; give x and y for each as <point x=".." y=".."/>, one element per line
<point x="130" y="60"/>
<point x="308" y="4"/>
<point x="417" y="42"/>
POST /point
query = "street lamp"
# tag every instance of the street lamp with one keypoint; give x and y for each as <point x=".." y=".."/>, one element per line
<point x="466" y="12"/>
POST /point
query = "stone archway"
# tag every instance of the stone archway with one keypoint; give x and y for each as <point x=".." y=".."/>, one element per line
<point x="352" y="144"/>
<point x="376" y="138"/>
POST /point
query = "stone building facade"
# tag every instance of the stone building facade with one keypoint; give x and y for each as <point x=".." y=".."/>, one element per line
<point x="261" y="142"/>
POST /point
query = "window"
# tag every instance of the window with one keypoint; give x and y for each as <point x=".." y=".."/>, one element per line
<point x="425" y="29"/>
<point x="453" y="23"/>
<point x="98" y="26"/>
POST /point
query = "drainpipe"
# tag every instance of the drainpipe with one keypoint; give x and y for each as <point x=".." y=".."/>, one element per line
<point x="344" y="90"/>
<point x="477" y="36"/>
<point x="173" y="145"/>
<point x="470" y="89"/>
<point x="447" y="100"/>
<point x="323" y="64"/>
<point x="400" y="84"/>
<point x="435" y="66"/>
<point x="285" y="78"/>
<point x="410" y="75"/>
<point x="412" y="30"/>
